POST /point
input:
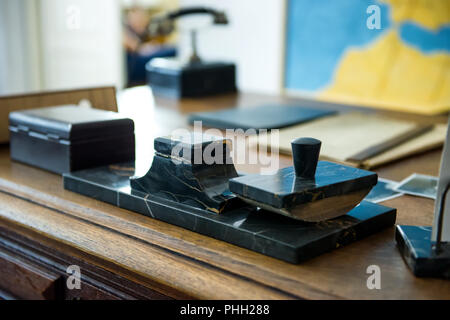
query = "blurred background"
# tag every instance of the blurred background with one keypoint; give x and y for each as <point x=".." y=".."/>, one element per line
<point x="58" y="44"/>
<point x="387" y="53"/>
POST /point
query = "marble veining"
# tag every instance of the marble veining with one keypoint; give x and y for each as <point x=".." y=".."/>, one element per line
<point x="415" y="245"/>
<point x="200" y="184"/>
<point x="285" y="190"/>
<point x="245" y="226"/>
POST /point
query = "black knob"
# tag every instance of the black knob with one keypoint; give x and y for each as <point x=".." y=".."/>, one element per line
<point x="305" y="152"/>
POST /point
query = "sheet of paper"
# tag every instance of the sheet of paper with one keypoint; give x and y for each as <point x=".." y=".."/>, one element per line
<point x="419" y="185"/>
<point x="347" y="134"/>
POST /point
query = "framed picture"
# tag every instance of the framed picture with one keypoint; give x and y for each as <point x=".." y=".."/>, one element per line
<point x="386" y="54"/>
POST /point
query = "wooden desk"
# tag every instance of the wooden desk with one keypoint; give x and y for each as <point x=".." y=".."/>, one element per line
<point x="44" y="229"/>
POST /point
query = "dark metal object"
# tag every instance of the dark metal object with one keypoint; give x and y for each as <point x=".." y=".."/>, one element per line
<point x="440" y="220"/>
<point x="165" y="25"/>
<point x="195" y="58"/>
<point x="305" y="152"/>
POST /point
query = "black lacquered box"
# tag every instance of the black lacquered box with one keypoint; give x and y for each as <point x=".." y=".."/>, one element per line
<point x="168" y="77"/>
<point x="69" y="138"/>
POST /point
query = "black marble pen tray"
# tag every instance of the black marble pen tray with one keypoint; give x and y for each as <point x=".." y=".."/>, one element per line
<point x="261" y="231"/>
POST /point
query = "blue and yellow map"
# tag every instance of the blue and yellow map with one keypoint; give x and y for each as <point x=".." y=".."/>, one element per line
<point x="333" y="55"/>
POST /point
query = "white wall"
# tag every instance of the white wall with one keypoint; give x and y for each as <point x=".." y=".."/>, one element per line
<point x="19" y="48"/>
<point x="46" y="45"/>
<point x="81" y="43"/>
<point x="254" y="39"/>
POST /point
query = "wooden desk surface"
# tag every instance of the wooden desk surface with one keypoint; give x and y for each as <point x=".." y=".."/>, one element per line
<point x="182" y="264"/>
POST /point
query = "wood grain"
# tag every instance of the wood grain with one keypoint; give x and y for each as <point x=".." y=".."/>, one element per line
<point x="96" y="283"/>
<point x="159" y="265"/>
<point x="301" y="281"/>
<point x="21" y="278"/>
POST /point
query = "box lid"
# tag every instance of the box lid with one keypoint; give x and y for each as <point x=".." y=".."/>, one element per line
<point x="71" y="122"/>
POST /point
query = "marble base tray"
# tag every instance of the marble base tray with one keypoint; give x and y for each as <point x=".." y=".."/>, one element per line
<point x="258" y="230"/>
<point x="414" y="243"/>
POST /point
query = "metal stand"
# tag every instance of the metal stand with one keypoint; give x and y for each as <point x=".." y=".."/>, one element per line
<point x="194" y="58"/>
<point x="425" y="258"/>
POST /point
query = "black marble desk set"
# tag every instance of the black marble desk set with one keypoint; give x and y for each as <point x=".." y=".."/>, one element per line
<point x="294" y="215"/>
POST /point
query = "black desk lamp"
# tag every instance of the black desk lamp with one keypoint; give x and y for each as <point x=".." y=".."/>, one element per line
<point x="426" y="250"/>
<point x="194" y="78"/>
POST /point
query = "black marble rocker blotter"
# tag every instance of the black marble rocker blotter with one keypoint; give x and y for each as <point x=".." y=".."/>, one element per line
<point x="309" y="191"/>
<point x="288" y="216"/>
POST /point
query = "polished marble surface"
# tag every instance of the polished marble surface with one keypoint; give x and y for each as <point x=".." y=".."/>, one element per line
<point x="258" y="230"/>
<point x="414" y="242"/>
<point x="184" y="168"/>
